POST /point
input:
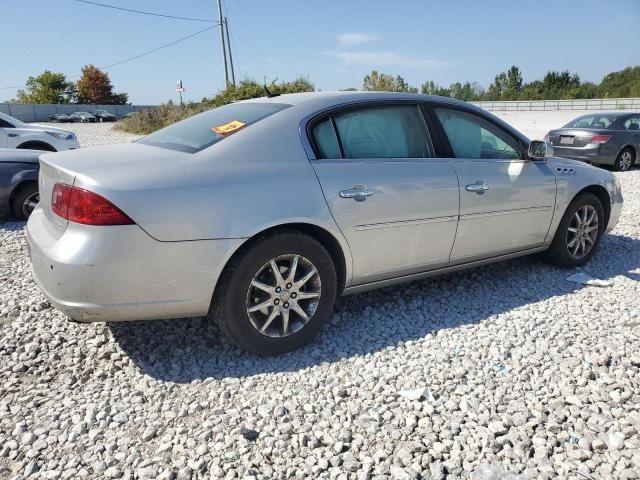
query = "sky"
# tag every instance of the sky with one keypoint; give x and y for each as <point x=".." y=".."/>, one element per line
<point x="334" y="43"/>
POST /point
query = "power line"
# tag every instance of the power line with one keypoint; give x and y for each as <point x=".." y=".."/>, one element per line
<point x="130" y="10"/>
<point x="158" y="48"/>
<point x="135" y="56"/>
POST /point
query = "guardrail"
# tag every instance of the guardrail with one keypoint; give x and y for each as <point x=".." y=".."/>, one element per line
<point x="29" y="112"/>
<point x="551" y="105"/>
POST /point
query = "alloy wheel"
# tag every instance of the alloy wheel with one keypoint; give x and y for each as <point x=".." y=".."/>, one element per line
<point x="30" y="204"/>
<point x="625" y="161"/>
<point x="582" y="232"/>
<point x="283" y="295"/>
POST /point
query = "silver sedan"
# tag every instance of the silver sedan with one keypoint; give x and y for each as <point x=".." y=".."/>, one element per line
<point x="261" y="212"/>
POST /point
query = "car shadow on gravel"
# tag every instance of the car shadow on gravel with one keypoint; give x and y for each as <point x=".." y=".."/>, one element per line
<point x="188" y="350"/>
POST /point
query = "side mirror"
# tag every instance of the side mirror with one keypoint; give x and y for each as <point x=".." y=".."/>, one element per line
<point x="539" y="150"/>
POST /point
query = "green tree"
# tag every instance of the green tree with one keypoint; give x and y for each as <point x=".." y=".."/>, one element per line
<point x="498" y="87"/>
<point x="513" y="84"/>
<point x="622" y="84"/>
<point x="381" y="82"/>
<point x="94" y="87"/>
<point x="48" y="87"/>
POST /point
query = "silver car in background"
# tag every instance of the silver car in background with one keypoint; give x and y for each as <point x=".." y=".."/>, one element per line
<point x="259" y="213"/>
<point x="600" y="138"/>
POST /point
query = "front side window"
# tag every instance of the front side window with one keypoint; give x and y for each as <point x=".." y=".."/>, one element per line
<point x="389" y="131"/>
<point x="632" y="124"/>
<point x="5" y="124"/>
<point x="470" y="136"/>
<point x="203" y="130"/>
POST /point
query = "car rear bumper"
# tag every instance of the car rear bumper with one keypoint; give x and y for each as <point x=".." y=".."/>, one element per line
<point x="121" y="273"/>
<point x="598" y="154"/>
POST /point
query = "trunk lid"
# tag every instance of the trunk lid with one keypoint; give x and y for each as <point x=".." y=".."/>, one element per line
<point x="116" y="172"/>
<point x="574" y="137"/>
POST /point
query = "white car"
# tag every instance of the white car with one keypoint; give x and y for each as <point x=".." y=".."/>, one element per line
<point x="17" y="134"/>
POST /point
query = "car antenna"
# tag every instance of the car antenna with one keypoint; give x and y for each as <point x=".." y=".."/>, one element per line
<point x="266" y="89"/>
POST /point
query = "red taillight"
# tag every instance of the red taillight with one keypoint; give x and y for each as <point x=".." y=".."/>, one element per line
<point x="82" y="206"/>
<point x="600" y="138"/>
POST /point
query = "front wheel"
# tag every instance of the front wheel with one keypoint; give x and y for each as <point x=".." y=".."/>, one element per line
<point x="579" y="232"/>
<point x="275" y="297"/>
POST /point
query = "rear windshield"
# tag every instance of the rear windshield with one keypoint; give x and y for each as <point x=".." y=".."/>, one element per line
<point x="592" y="121"/>
<point x="201" y="131"/>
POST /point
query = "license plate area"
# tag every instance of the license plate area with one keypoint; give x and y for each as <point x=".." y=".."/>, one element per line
<point x="566" y="140"/>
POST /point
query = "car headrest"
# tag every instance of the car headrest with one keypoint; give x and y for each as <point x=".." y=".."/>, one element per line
<point x="634" y="126"/>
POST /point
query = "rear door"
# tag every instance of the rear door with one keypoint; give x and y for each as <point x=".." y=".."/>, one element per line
<point x="395" y="203"/>
<point x="506" y="201"/>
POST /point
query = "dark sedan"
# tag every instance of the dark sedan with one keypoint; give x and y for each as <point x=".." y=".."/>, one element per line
<point x="600" y="138"/>
<point x="18" y="182"/>
<point x="60" y="118"/>
<point x="82" y="117"/>
<point x="104" y="116"/>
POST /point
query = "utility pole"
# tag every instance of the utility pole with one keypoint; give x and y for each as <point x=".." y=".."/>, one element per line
<point x="224" y="48"/>
<point x="233" y="74"/>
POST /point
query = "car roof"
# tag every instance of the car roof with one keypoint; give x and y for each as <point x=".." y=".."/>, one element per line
<point x="311" y="103"/>
<point x="339" y="97"/>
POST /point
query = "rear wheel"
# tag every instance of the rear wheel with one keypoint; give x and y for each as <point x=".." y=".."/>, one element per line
<point x="579" y="232"/>
<point x="625" y="160"/>
<point x="275" y="297"/>
<point x="25" y="199"/>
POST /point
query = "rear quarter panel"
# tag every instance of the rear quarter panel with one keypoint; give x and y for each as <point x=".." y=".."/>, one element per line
<point x="253" y="180"/>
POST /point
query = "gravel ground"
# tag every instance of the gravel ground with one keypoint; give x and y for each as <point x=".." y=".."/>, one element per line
<point x="92" y="134"/>
<point x="503" y="372"/>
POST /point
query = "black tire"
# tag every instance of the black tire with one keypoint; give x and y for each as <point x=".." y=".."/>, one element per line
<point x="622" y="163"/>
<point x="24" y="193"/>
<point x="558" y="254"/>
<point x="229" y="306"/>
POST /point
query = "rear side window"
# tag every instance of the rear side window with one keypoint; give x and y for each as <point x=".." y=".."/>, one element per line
<point x="470" y="136"/>
<point x="326" y="140"/>
<point x="201" y="131"/>
<point x="592" y="121"/>
<point x="632" y="124"/>
<point x="391" y="131"/>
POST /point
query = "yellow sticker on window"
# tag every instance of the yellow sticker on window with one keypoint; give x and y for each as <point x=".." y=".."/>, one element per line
<point x="228" y="128"/>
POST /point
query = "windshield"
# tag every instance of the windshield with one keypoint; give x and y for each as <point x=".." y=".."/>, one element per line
<point x="201" y="131"/>
<point x="10" y="119"/>
<point x="592" y="121"/>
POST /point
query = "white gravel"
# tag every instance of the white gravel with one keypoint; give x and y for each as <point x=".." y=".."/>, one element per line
<point x="503" y="372"/>
<point x="92" y="134"/>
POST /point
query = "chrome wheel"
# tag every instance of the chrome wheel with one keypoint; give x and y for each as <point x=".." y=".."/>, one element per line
<point x="283" y="295"/>
<point x="30" y="203"/>
<point x="625" y="161"/>
<point x="583" y="231"/>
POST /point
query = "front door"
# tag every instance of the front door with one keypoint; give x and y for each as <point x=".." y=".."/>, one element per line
<point x="396" y="205"/>
<point x="506" y="201"/>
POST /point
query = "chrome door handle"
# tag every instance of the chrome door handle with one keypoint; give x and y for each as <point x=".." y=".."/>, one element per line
<point x="358" y="193"/>
<point x="479" y="187"/>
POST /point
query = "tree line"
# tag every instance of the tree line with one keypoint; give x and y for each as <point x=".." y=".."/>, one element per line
<point x="94" y="87"/>
<point x="509" y="85"/>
